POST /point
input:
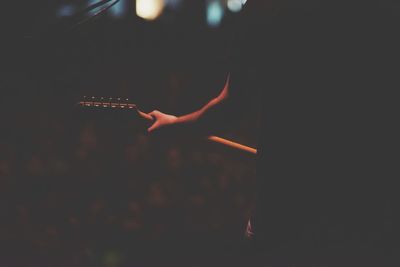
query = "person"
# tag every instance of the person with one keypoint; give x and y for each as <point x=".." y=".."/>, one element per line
<point x="324" y="76"/>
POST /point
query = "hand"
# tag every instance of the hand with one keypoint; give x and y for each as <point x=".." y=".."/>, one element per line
<point x="161" y="120"/>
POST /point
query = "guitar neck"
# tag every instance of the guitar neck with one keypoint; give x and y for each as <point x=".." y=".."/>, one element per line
<point x="124" y="104"/>
<point x="117" y="103"/>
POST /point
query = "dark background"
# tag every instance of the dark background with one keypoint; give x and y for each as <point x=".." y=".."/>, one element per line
<point x="92" y="188"/>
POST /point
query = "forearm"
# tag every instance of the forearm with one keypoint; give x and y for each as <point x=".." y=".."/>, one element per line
<point x="197" y="115"/>
<point x="200" y="121"/>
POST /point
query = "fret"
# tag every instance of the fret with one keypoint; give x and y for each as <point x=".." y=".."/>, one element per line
<point x="98" y="102"/>
<point x="86" y="104"/>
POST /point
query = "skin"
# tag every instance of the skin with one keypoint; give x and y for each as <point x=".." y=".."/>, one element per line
<point x="162" y="119"/>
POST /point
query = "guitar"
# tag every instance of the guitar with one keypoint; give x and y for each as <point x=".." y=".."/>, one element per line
<point x="123" y="103"/>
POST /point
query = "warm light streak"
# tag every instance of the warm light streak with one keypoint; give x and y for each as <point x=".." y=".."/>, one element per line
<point x="149" y="9"/>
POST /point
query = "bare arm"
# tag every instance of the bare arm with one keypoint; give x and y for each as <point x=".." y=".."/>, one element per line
<point x="162" y="119"/>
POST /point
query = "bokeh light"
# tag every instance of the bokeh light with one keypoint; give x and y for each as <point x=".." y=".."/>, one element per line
<point x="149" y="9"/>
<point x="215" y="13"/>
<point x="235" y="5"/>
<point x="66" y="10"/>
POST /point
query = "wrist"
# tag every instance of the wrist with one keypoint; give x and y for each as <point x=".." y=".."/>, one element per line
<point x="172" y="119"/>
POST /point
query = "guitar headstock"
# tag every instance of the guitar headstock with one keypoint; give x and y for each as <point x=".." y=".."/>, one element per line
<point x="111" y="103"/>
<point x="106" y="102"/>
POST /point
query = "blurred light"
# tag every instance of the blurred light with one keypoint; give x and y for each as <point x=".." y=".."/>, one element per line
<point x="97" y="9"/>
<point x="215" y="13"/>
<point x="149" y="9"/>
<point x="119" y="9"/>
<point x="235" y="5"/>
<point x="66" y="11"/>
<point x="174" y="4"/>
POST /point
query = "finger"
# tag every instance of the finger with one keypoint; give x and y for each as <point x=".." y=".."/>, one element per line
<point x="153" y="127"/>
<point x="154" y="114"/>
<point x="146" y="116"/>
